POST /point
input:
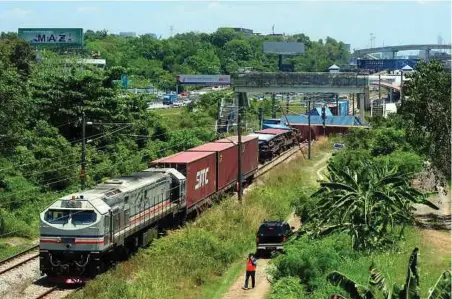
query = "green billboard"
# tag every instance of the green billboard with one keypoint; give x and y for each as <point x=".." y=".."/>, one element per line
<point x="52" y="36"/>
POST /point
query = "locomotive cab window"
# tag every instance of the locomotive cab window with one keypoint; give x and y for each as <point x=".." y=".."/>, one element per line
<point x="76" y="217"/>
<point x="83" y="217"/>
<point x="57" y="216"/>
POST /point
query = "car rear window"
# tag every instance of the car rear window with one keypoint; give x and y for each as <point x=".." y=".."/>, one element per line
<point x="266" y="229"/>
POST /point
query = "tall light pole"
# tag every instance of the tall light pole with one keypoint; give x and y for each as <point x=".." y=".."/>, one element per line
<point x="83" y="166"/>
<point x="239" y="147"/>
<point x="309" y="125"/>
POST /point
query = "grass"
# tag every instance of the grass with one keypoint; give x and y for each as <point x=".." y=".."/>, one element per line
<point x="196" y="260"/>
<point x="11" y="246"/>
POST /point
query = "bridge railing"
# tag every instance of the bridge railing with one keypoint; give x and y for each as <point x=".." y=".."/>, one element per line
<point x="301" y="79"/>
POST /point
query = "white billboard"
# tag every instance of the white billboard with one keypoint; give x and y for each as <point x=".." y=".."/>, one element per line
<point x="284" y="48"/>
<point x="204" y="79"/>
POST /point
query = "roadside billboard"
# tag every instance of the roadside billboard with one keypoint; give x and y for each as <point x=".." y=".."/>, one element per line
<point x="283" y="48"/>
<point x="204" y="79"/>
<point x="52" y="36"/>
<point x="385" y="64"/>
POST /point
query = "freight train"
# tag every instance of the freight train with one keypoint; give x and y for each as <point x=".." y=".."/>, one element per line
<point x="82" y="234"/>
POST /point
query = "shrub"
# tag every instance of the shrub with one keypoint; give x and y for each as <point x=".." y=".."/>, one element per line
<point x="287" y="288"/>
<point x="310" y="260"/>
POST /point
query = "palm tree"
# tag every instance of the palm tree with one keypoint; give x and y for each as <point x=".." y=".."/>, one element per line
<point x="370" y="204"/>
<point x="378" y="284"/>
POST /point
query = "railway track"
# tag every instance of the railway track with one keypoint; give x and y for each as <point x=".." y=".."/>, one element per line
<point x="19" y="259"/>
<point x="264" y="168"/>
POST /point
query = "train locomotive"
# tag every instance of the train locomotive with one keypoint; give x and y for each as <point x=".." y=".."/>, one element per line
<point x="82" y="234"/>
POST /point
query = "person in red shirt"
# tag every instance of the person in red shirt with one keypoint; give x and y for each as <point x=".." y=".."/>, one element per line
<point x="250" y="271"/>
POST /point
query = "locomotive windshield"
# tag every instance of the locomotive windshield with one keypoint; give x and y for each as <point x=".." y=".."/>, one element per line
<point x="76" y="217"/>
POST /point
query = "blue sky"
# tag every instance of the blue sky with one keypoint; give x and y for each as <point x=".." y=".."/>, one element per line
<point x="392" y="23"/>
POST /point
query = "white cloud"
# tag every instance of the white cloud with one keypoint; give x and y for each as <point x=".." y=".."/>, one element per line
<point x="88" y="9"/>
<point x="15" y="13"/>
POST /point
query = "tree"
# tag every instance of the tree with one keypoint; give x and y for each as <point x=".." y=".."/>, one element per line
<point x="379" y="285"/>
<point x="369" y="204"/>
<point x="13" y="103"/>
<point x="238" y="50"/>
<point x="427" y="108"/>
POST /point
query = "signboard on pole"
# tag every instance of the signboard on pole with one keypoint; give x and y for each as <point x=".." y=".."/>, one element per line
<point x="284" y="48"/>
<point x="204" y="79"/>
<point x="52" y="36"/>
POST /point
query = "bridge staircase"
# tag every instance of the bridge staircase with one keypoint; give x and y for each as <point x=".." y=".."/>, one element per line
<point x="227" y="117"/>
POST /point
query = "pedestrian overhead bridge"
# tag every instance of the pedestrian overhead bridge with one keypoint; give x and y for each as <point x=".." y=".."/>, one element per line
<point x="394" y="49"/>
<point x="300" y="82"/>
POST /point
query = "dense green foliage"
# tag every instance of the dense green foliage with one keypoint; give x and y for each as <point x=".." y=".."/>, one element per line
<point x="303" y="271"/>
<point x="383" y="145"/>
<point x="369" y="197"/>
<point x="427" y="112"/>
<point x="157" y="61"/>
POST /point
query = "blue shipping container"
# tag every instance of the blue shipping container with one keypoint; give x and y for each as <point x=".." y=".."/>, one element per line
<point x="385" y="64"/>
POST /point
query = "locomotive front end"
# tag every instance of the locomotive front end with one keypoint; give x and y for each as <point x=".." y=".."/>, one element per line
<point x="71" y="238"/>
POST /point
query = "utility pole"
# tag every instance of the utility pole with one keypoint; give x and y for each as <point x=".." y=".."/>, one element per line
<point x="239" y="147"/>
<point x="337" y="105"/>
<point x="83" y="168"/>
<point x="401" y="86"/>
<point x="261" y="117"/>
<point x="273" y="105"/>
<point x="287" y="104"/>
<point x="379" y="86"/>
<point x="309" y="124"/>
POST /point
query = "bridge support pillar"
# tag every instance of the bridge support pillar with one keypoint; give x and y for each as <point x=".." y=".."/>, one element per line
<point x="427" y="54"/>
<point x="390" y="95"/>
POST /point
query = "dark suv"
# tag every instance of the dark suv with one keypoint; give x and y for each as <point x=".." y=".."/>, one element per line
<point x="271" y="236"/>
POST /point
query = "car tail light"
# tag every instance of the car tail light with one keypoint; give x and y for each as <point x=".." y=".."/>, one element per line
<point x="284" y="238"/>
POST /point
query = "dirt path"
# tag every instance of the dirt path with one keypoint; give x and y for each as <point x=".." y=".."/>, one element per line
<point x="320" y="170"/>
<point x="263" y="286"/>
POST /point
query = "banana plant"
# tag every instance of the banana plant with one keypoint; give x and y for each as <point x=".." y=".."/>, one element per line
<point x="369" y="205"/>
<point x="378" y="284"/>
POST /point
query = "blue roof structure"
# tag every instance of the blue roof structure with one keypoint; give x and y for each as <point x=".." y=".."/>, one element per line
<point x="270" y="126"/>
<point x="318" y="111"/>
<point x="348" y="120"/>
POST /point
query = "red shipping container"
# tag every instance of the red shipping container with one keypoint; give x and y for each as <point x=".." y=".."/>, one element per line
<point x="226" y="154"/>
<point x="250" y="153"/>
<point x="199" y="168"/>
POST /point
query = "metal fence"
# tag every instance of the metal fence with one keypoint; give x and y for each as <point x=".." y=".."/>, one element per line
<point x="300" y="80"/>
